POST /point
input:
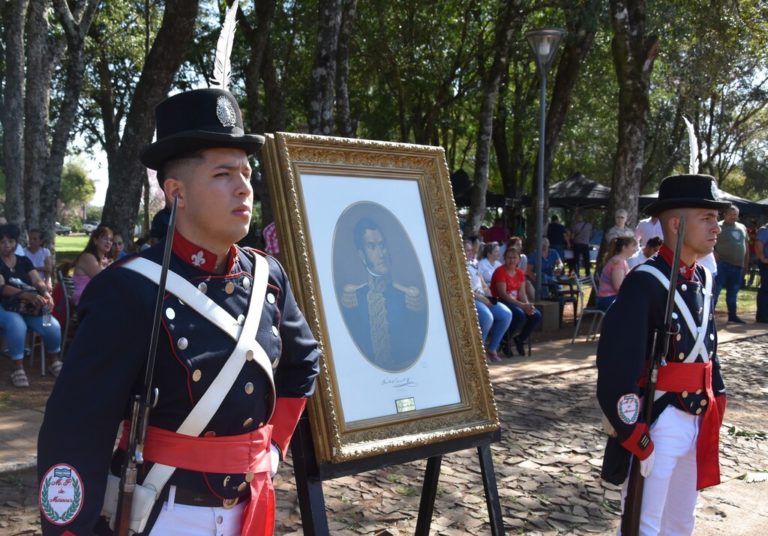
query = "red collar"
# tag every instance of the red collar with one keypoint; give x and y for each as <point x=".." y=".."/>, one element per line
<point x="668" y="255"/>
<point x="200" y="257"/>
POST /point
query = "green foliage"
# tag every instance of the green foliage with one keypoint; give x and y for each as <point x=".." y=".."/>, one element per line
<point x="76" y="187"/>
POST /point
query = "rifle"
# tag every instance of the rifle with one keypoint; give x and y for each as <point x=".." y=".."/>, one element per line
<point x="630" y="519"/>
<point x="142" y="403"/>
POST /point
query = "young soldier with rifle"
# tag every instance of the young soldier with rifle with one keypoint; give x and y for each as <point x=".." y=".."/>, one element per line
<point x="234" y="363"/>
<point x="673" y="444"/>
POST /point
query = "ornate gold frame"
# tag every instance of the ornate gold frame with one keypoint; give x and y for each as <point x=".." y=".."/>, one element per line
<point x="286" y="158"/>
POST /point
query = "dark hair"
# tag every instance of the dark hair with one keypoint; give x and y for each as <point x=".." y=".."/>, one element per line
<point x="10" y="231"/>
<point x="488" y="248"/>
<point x="97" y="233"/>
<point x="162" y="173"/>
<point x="654" y="242"/>
<point x="620" y="243"/>
<point x="365" y="224"/>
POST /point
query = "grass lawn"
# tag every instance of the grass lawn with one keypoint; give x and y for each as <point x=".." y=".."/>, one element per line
<point x="68" y="247"/>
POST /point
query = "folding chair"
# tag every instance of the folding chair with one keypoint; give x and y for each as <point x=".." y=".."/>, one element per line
<point x="593" y="312"/>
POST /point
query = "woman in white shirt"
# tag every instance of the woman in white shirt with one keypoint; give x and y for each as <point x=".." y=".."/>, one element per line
<point x="489" y="260"/>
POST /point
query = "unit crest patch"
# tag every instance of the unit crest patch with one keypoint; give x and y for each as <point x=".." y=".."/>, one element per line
<point x="61" y="494"/>
<point x="628" y="408"/>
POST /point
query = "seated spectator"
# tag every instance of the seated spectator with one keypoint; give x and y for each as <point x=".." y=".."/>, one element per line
<point x="508" y="285"/>
<point x="489" y="260"/>
<point x="620" y="228"/>
<point x="517" y="243"/>
<point x="551" y="266"/>
<point x="93" y="259"/>
<point x="118" y="247"/>
<point x="25" y="298"/>
<point x="651" y="248"/>
<point x="39" y="255"/>
<point x="614" y="271"/>
<point x="494" y="317"/>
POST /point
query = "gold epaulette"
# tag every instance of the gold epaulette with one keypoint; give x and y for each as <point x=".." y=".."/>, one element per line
<point x="349" y="296"/>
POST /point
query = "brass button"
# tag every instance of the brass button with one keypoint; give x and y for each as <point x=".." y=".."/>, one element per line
<point x="248" y="388"/>
<point x="683" y="287"/>
<point x="684" y="394"/>
<point x="704" y="402"/>
<point x="229" y="288"/>
<point x="226" y="481"/>
<point x="196" y="375"/>
<point x="248" y="476"/>
<point x="202" y="287"/>
<point x="170" y="314"/>
<point x="275" y="331"/>
<point x="249" y="355"/>
<point x="248" y="422"/>
<point x="270" y="297"/>
<point x="182" y="343"/>
<point x="698" y="391"/>
<point x="242" y="487"/>
<point x="229" y="503"/>
<point x="698" y="411"/>
<point x="246" y="283"/>
<point x="681" y="356"/>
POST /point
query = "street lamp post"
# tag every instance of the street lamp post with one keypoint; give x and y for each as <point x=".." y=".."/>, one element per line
<point x="544" y="45"/>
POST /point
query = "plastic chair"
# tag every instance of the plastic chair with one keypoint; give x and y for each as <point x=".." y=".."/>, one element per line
<point x="65" y="309"/>
<point x="593" y="312"/>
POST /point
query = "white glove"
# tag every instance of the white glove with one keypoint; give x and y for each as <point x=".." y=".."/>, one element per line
<point x="646" y="465"/>
<point x="274" y="458"/>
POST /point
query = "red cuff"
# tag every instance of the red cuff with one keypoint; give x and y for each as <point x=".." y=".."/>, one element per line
<point x="721" y="402"/>
<point x="284" y="420"/>
<point x="639" y="443"/>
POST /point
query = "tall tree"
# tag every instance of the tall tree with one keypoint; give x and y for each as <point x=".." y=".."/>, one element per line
<point x="14" y="16"/>
<point x="507" y="11"/>
<point x="163" y="61"/>
<point x="346" y="124"/>
<point x="634" y="52"/>
<point x="322" y="85"/>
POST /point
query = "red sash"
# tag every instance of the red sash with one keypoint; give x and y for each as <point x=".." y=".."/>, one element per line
<point x="679" y="377"/>
<point x="245" y="453"/>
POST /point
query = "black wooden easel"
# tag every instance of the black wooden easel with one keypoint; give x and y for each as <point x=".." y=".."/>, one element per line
<point x="310" y="476"/>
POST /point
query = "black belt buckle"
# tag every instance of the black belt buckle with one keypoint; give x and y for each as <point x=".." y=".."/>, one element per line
<point x="195" y="498"/>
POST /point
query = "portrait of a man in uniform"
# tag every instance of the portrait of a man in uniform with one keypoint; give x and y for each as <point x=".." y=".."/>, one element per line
<point x="386" y="317"/>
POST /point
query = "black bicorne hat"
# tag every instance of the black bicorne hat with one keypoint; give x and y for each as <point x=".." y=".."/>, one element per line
<point x="195" y="120"/>
<point x="687" y="191"/>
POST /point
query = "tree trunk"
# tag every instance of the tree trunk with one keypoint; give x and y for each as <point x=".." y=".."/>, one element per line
<point x="13" y="109"/>
<point x="633" y="57"/>
<point x="346" y="126"/>
<point x="321" y="92"/>
<point x="163" y="61"/>
<point x="490" y="93"/>
<point x="76" y="24"/>
<point x="43" y="56"/>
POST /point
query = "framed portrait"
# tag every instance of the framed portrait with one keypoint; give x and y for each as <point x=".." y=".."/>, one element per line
<point x="370" y="239"/>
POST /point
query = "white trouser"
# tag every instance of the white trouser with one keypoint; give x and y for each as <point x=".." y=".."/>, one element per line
<point x="669" y="494"/>
<point x="185" y="520"/>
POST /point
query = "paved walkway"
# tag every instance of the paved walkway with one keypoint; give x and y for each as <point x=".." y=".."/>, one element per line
<point x="546" y="463"/>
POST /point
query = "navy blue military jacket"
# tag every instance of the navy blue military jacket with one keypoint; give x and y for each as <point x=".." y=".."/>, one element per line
<point x="106" y="365"/>
<point x="627" y="336"/>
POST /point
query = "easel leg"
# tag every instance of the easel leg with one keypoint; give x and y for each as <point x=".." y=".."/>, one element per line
<point x="491" y="490"/>
<point x="428" y="494"/>
<point x="309" y="490"/>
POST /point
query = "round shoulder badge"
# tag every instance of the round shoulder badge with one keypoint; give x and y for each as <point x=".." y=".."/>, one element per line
<point x="628" y="408"/>
<point x="61" y="494"/>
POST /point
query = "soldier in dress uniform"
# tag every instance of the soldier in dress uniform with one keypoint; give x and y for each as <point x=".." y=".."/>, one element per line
<point x="678" y="448"/>
<point x="221" y="483"/>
